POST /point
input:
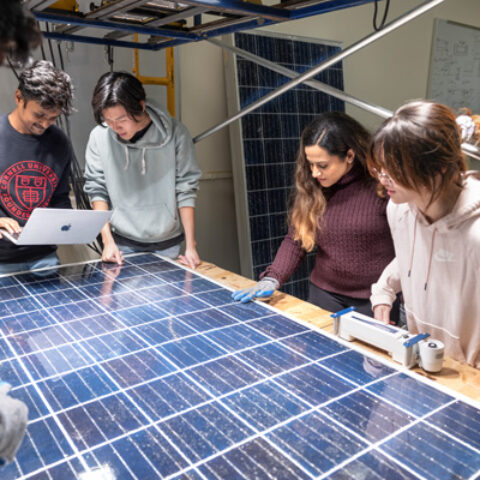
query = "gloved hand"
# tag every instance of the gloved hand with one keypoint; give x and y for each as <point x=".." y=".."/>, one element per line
<point x="264" y="288"/>
<point x="13" y="422"/>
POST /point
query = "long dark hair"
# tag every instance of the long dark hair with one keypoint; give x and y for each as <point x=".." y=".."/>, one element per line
<point x="337" y="133"/>
<point x="420" y="146"/>
<point x="118" y="88"/>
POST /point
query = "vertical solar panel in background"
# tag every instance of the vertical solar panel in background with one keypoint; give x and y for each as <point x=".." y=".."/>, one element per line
<point x="270" y="137"/>
<point x="150" y="371"/>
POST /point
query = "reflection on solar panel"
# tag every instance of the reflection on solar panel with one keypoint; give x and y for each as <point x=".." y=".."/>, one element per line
<point x="151" y="372"/>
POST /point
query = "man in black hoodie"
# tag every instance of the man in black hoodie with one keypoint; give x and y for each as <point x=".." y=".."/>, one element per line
<point x="35" y="158"/>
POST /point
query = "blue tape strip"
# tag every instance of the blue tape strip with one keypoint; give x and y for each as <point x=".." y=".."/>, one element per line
<point x="416" y="339"/>
<point x="343" y="312"/>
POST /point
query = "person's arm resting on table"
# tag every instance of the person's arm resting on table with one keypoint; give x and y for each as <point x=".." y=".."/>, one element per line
<point x="95" y="187"/>
<point x="111" y="252"/>
<point x="190" y="258"/>
<point x="188" y="174"/>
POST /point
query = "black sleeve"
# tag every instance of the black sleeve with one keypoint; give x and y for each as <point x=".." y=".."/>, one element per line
<point x="61" y="196"/>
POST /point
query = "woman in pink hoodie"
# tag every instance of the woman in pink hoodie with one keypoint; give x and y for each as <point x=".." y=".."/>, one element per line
<point x="434" y="217"/>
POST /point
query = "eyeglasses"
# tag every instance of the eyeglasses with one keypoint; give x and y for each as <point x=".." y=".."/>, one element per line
<point x="381" y="176"/>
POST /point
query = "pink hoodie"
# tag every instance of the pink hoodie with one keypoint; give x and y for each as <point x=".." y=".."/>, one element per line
<point x="437" y="267"/>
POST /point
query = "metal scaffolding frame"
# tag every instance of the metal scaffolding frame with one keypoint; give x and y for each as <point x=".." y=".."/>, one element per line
<point x="168" y="23"/>
<point x="329" y="62"/>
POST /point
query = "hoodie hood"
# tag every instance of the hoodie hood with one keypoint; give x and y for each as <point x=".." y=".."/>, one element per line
<point x="156" y="137"/>
<point x="468" y="203"/>
<point x="466" y="207"/>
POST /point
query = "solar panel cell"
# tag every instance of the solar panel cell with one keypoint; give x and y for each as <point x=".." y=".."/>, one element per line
<point x="316" y="443"/>
<point x="433" y="453"/>
<point x="374" y="466"/>
<point x="225" y="375"/>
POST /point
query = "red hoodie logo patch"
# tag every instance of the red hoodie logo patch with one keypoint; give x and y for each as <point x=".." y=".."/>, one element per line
<point x="27" y="185"/>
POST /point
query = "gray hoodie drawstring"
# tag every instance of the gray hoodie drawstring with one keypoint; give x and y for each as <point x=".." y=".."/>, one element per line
<point x="430" y="259"/>
<point x="413" y="245"/>
<point x="128" y="159"/>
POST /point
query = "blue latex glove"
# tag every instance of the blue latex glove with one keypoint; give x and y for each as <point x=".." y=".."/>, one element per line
<point x="263" y="289"/>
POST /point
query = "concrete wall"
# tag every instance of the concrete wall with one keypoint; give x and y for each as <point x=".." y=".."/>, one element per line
<point x="203" y="104"/>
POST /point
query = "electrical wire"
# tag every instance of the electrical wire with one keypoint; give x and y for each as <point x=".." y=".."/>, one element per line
<point x="60" y="55"/>
<point x="50" y="45"/>
<point x="12" y="68"/>
<point x="44" y="57"/>
<point x="375" y="15"/>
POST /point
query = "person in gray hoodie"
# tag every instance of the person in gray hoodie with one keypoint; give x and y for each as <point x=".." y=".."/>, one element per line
<point x="140" y="162"/>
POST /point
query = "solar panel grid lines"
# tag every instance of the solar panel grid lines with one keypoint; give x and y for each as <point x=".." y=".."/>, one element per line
<point x="231" y="412"/>
<point x="139" y="350"/>
<point x="125" y="328"/>
<point x="59" y="425"/>
<point x="376" y="444"/>
<point x="131" y="431"/>
<point x="239" y="444"/>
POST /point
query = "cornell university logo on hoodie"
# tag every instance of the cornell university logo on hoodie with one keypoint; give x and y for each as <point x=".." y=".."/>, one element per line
<point x="26" y="185"/>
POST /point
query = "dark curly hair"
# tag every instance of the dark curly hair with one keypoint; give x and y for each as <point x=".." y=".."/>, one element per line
<point x="50" y="87"/>
<point x="19" y="32"/>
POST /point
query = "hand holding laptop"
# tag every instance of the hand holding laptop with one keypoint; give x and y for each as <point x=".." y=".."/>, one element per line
<point x="55" y="226"/>
<point x="10" y="225"/>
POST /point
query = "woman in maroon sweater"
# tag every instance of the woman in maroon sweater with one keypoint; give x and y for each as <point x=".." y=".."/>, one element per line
<point x="337" y="209"/>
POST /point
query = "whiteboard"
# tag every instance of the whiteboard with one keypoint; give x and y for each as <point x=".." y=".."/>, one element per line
<point x="454" y="77"/>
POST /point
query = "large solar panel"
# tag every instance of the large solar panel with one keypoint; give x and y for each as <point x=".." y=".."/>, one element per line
<point x="151" y="372"/>
<point x="270" y="138"/>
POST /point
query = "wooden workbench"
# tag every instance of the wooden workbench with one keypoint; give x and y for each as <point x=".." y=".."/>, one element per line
<point x="454" y="375"/>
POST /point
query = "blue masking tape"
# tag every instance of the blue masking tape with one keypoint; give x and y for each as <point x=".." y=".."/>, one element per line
<point x="343" y="312"/>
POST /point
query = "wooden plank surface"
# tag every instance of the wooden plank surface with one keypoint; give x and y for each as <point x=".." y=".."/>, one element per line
<point x="454" y="375"/>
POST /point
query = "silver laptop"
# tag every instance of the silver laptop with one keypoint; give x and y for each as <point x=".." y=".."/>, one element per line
<point x="59" y="226"/>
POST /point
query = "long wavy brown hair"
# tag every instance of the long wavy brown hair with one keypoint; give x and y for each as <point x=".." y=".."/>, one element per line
<point x="337" y="133"/>
<point x="420" y="146"/>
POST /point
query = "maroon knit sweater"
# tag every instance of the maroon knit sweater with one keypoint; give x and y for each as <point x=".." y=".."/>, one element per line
<point x="354" y="245"/>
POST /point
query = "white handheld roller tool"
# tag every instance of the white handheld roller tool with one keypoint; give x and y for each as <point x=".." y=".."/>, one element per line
<point x="405" y="348"/>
